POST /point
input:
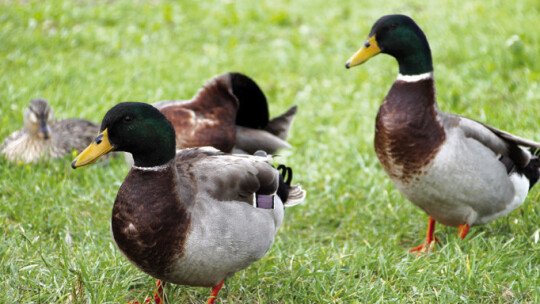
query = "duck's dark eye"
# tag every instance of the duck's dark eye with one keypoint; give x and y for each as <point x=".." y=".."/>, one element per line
<point x="128" y="119"/>
<point x="393" y="25"/>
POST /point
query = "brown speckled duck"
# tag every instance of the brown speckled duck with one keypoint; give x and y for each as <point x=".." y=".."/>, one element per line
<point x="193" y="216"/>
<point x="230" y="113"/>
<point x="45" y="138"/>
<point x="459" y="171"/>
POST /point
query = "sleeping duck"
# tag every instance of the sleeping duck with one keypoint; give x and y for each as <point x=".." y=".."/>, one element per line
<point x="459" y="171"/>
<point x="193" y="216"/>
<point x="230" y="113"/>
<point x="45" y="138"/>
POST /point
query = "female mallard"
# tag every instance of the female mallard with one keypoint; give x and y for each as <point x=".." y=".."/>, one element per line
<point x="43" y="137"/>
<point x="230" y="113"/>
<point x="459" y="171"/>
<point x="193" y="216"/>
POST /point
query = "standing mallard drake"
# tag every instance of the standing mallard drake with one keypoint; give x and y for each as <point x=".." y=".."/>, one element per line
<point x="459" y="171"/>
<point x="193" y="216"/>
<point x="45" y="138"/>
<point x="230" y="113"/>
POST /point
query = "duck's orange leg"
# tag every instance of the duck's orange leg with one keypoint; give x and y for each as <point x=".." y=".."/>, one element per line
<point x="159" y="297"/>
<point x="429" y="238"/>
<point x="463" y="230"/>
<point x="215" y="291"/>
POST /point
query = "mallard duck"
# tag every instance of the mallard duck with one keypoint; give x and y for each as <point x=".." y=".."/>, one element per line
<point x="459" y="171"/>
<point x="194" y="216"/>
<point x="230" y="113"/>
<point x="45" y="138"/>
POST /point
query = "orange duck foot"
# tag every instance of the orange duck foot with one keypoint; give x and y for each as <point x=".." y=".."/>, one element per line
<point x="215" y="291"/>
<point x="424" y="247"/>
<point x="159" y="297"/>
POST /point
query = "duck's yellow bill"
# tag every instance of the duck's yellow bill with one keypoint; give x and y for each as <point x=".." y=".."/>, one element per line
<point x="368" y="50"/>
<point x="99" y="147"/>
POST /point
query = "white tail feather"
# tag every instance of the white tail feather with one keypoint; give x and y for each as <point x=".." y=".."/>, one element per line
<point x="296" y="196"/>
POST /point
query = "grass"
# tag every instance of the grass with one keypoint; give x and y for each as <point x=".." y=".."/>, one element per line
<point x="349" y="242"/>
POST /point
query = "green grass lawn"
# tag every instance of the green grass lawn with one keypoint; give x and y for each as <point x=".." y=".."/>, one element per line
<point x="349" y="242"/>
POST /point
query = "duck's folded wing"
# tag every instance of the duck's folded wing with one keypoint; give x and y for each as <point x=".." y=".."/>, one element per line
<point x="226" y="177"/>
<point x="74" y="133"/>
<point x="251" y="140"/>
<point x="10" y="139"/>
<point x="500" y="142"/>
<point x="513" y="138"/>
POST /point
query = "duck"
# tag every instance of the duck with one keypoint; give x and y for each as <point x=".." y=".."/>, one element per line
<point x="461" y="172"/>
<point x="230" y="113"/>
<point x="43" y="137"/>
<point x="193" y="216"/>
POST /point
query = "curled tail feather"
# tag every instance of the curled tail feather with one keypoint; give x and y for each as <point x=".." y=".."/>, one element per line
<point x="532" y="170"/>
<point x="289" y="195"/>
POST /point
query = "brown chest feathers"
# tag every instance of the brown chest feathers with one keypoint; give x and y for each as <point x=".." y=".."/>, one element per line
<point x="408" y="134"/>
<point x="149" y="223"/>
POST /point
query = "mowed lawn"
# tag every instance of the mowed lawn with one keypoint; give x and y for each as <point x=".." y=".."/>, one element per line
<point x="349" y="242"/>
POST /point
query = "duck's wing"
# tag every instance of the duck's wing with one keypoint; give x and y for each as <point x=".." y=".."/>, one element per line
<point x="512" y="138"/>
<point x="10" y="139"/>
<point x="224" y="177"/>
<point x="500" y="142"/>
<point x="251" y="140"/>
<point x="73" y="134"/>
<point x="206" y="120"/>
<point x="270" y="139"/>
